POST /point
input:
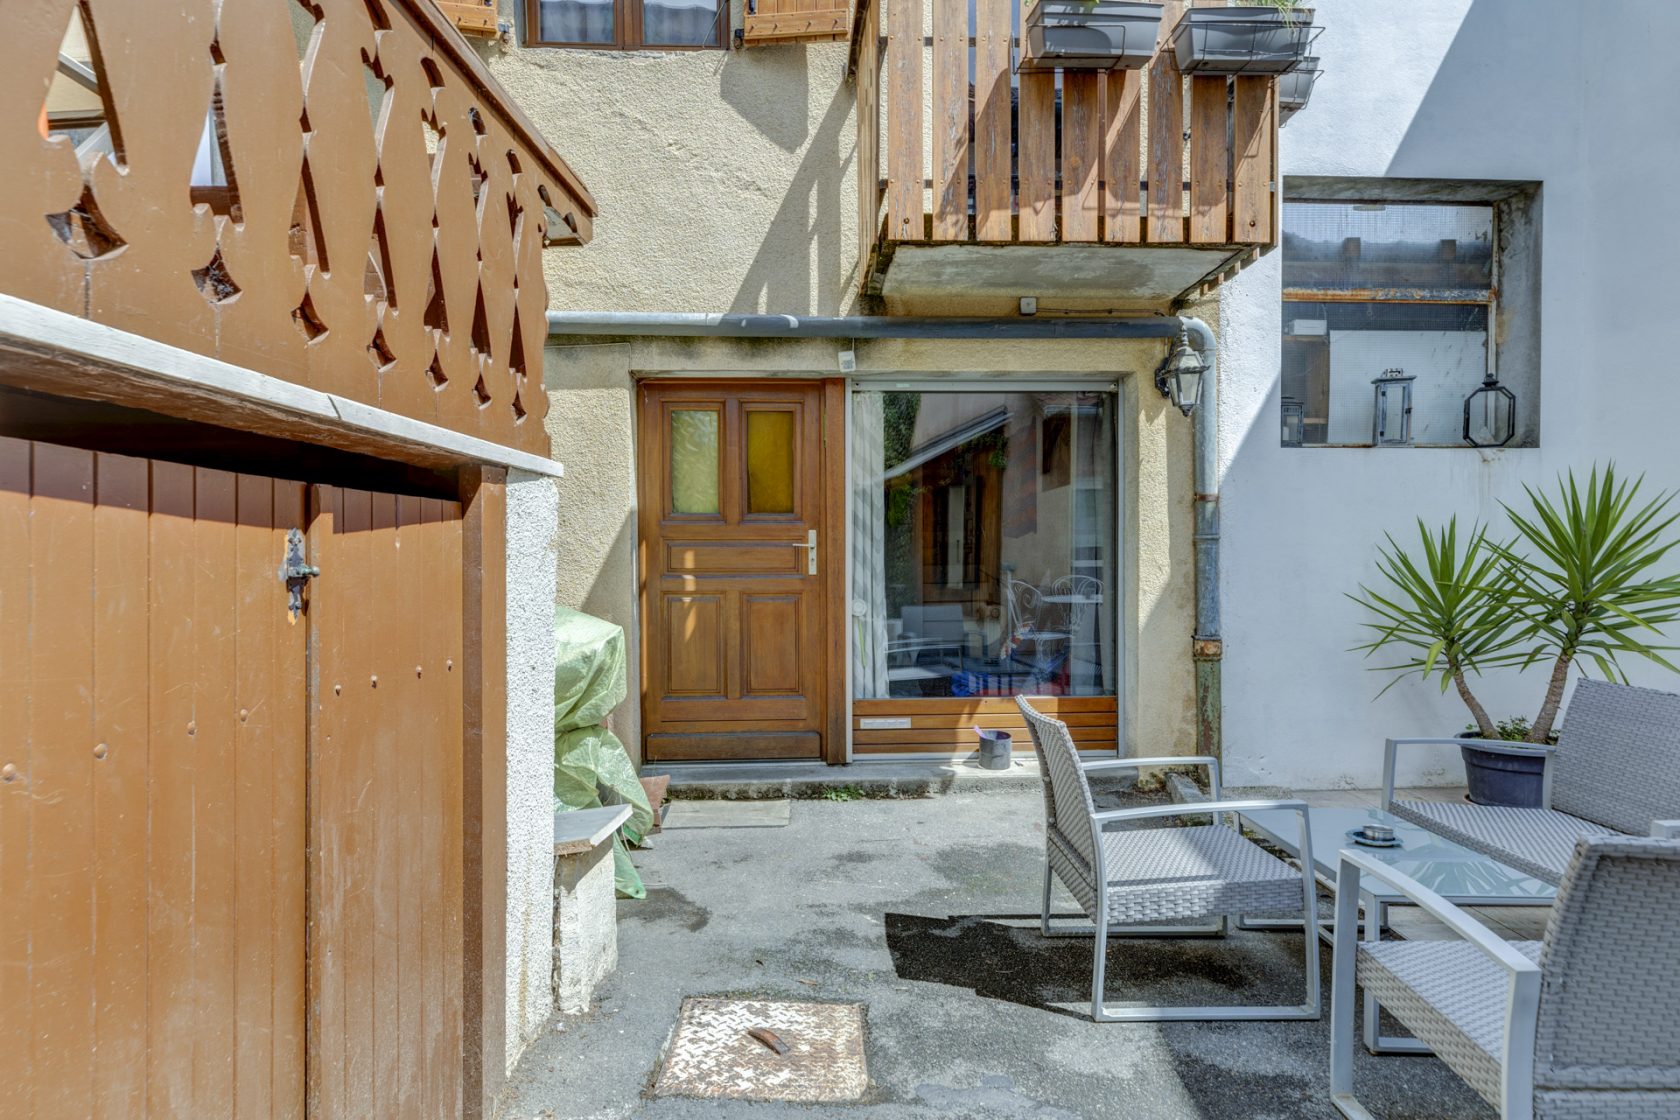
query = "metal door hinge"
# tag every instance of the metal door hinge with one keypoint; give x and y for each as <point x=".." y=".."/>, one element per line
<point x="294" y="572"/>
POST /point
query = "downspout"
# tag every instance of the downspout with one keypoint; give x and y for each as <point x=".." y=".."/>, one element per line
<point x="1206" y="648"/>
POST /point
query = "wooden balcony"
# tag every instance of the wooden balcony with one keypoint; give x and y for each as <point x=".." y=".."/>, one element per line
<point x="981" y="180"/>
<point x="365" y="216"/>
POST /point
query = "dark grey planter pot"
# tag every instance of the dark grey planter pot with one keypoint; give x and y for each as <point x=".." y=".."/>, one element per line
<point x="1504" y="778"/>
<point x="1242" y="40"/>
<point x="1095" y="35"/>
<point x="1295" y="88"/>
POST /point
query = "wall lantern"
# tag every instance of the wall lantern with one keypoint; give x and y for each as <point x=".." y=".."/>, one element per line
<point x="1391" y="416"/>
<point x="1490" y="414"/>
<point x="1180" y="376"/>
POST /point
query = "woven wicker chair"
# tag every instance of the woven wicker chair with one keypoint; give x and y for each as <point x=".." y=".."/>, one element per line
<point x="1147" y="877"/>
<point x="1615" y="771"/>
<point x="1580" y="1026"/>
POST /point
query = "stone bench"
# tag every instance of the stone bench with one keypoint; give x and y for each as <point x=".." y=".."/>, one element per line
<point x="585" y="908"/>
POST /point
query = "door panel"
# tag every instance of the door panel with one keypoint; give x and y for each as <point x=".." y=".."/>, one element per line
<point x="386" y="793"/>
<point x="734" y="632"/>
<point x="152" y="900"/>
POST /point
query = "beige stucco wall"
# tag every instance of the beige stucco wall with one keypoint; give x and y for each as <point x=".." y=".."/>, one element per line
<point x="590" y="417"/>
<point x="725" y="178"/>
<point x="726" y="182"/>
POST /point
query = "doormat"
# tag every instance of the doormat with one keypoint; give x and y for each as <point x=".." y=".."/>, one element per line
<point x="733" y="1049"/>
<point x="728" y="814"/>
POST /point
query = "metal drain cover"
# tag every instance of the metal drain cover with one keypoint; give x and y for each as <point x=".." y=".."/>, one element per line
<point x="713" y="1055"/>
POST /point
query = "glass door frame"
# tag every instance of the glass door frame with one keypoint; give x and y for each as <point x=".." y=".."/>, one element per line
<point x="922" y="382"/>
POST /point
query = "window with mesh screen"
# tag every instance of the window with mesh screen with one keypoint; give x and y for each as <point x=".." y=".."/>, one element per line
<point x="1389" y="334"/>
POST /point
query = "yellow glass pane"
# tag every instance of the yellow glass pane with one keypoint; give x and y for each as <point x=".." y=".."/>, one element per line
<point x="694" y="461"/>
<point x="769" y="462"/>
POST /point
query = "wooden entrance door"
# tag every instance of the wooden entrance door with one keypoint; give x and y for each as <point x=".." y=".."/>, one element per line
<point x="231" y="841"/>
<point x="740" y="557"/>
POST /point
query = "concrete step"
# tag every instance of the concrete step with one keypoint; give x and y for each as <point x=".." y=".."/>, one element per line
<point x="758" y="781"/>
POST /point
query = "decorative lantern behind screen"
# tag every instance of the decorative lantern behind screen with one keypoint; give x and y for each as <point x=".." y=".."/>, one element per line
<point x="1294" y="422"/>
<point x="1490" y="415"/>
<point x="1391" y="416"/>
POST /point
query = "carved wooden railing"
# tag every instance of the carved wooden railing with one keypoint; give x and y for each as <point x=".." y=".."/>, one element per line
<point x="1044" y="156"/>
<point x="367" y="215"/>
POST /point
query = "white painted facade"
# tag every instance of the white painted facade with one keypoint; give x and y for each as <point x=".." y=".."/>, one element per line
<point x="1541" y="90"/>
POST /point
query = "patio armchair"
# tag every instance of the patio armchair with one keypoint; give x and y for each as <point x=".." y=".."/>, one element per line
<point x="1614" y="772"/>
<point x="1579" y="1026"/>
<point x="1144" y="877"/>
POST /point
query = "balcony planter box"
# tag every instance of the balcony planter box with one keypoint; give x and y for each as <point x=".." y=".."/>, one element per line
<point x="1091" y="34"/>
<point x="1508" y="774"/>
<point x="1242" y="40"/>
<point x="1295" y="88"/>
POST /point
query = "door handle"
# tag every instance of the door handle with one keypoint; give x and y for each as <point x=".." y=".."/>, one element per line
<point x="809" y="544"/>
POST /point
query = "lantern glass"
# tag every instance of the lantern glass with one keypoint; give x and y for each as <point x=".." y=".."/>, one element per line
<point x="1490" y="415"/>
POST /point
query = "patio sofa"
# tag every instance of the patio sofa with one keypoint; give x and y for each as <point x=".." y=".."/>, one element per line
<point x="1580" y="1026"/>
<point x="1615" y="771"/>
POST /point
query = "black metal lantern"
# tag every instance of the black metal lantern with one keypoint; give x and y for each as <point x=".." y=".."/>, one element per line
<point x="1490" y="414"/>
<point x="1180" y="376"/>
<point x="1391" y="415"/>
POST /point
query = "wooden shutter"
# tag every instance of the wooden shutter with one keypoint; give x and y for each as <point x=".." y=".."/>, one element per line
<point x="796" y="21"/>
<point x="472" y="17"/>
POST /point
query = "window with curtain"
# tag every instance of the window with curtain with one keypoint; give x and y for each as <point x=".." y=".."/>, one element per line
<point x="983" y="539"/>
<point x="627" y="24"/>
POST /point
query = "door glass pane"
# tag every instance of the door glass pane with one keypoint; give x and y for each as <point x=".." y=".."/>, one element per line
<point x="694" y="460"/>
<point x="984" y="559"/>
<point x="769" y="462"/>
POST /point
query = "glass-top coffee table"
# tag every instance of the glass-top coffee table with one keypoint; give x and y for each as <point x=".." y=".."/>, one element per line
<point x="1451" y="870"/>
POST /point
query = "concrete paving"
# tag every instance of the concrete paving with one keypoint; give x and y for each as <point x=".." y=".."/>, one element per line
<point x="921" y="910"/>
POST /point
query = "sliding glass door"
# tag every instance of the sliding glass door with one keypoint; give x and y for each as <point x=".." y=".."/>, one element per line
<point x="984" y="548"/>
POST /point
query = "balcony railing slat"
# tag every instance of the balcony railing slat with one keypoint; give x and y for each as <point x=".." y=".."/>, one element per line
<point x="993" y="165"/>
<point x="1082" y="136"/>
<point x="1036" y="156"/>
<point x="1254" y="155"/>
<point x="1122" y="166"/>
<point x="1166" y="136"/>
<point x="904" y="125"/>
<point x="950" y="120"/>
<point x="1210" y="161"/>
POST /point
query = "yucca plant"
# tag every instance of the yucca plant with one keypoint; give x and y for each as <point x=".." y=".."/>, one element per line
<point x="1449" y="612"/>
<point x="1585" y="582"/>
<point x="1577" y="585"/>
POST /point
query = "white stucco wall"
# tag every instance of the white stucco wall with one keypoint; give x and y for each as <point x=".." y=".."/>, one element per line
<point x="1543" y="90"/>
<point x="532" y="525"/>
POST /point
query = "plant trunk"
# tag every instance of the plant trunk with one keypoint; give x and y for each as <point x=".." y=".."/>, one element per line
<point x="1477" y="712"/>
<point x="1542" y="729"/>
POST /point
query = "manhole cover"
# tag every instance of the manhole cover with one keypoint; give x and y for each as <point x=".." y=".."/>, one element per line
<point x="713" y="1055"/>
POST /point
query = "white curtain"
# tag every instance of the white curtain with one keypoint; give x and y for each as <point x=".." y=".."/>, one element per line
<point x="868" y="547"/>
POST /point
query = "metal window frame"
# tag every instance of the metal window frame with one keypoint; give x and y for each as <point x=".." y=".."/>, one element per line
<point x="1457" y="297"/>
<point x="627" y="30"/>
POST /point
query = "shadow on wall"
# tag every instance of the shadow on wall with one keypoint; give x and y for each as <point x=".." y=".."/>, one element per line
<point x="783" y="119"/>
<point x="812" y="216"/>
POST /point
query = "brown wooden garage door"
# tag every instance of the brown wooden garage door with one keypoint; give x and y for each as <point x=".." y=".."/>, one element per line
<point x="194" y="786"/>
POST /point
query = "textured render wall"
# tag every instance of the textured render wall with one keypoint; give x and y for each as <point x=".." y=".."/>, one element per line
<point x="532" y="509"/>
<point x="1497" y="89"/>
<point x="591" y="398"/>
<point x="591" y="420"/>
<point x="725" y="178"/>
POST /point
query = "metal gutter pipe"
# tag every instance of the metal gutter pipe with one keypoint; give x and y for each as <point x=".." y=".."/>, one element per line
<point x="697" y="325"/>
<point x="1207" y="647"/>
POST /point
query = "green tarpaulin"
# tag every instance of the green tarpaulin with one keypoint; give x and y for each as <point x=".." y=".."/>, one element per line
<point x="591" y="767"/>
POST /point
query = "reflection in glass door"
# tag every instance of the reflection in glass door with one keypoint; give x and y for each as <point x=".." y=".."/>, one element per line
<point x="983" y="538"/>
